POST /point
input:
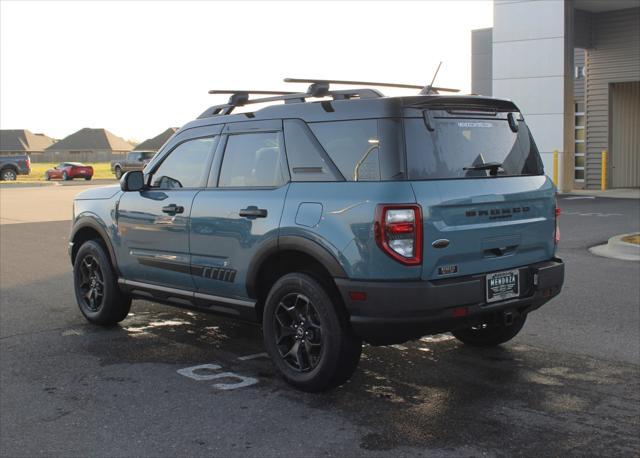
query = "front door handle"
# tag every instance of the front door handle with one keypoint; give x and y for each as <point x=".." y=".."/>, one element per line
<point x="173" y="209"/>
<point x="253" y="212"/>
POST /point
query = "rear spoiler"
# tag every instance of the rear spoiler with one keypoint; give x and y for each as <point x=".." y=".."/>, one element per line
<point x="459" y="102"/>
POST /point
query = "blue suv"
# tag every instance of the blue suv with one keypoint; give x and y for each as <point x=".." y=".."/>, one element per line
<point x="336" y="217"/>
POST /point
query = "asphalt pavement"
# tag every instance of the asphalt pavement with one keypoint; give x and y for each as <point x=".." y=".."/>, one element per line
<point x="169" y="382"/>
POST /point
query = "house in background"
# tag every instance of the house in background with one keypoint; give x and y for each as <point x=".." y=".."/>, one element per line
<point x="20" y="141"/>
<point x="88" y="145"/>
<point x="155" y="143"/>
<point x="573" y="68"/>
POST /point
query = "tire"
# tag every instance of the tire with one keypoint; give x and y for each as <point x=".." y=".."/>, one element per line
<point x="490" y="335"/>
<point x="87" y="178"/>
<point x="65" y="177"/>
<point x="47" y="177"/>
<point x="118" y="172"/>
<point x="8" y="175"/>
<point x="95" y="285"/>
<point x="301" y="314"/>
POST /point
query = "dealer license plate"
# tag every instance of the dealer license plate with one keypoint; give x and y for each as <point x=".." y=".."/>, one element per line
<point x="503" y="285"/>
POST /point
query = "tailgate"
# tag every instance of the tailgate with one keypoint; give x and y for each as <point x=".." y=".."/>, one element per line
<point x="491" y="224"/>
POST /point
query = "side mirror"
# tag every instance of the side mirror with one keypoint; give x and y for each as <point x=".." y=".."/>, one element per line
<point x="132" y="181"/>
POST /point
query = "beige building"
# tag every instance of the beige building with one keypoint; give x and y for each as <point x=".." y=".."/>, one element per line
<point x="20" y="141"/>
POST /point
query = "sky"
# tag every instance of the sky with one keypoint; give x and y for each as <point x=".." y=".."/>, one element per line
<point x="136" y="68"/>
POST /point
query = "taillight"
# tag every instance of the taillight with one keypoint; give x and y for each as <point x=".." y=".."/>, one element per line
<point x="28" y="162"/>
<point x="398" y="232"/>
<point x="556" y="236"/>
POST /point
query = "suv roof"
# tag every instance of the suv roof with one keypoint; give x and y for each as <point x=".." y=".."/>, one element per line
<point x="337" y="105"/>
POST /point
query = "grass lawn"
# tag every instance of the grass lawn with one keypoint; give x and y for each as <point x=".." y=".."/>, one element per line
<point x="100" y="170"/>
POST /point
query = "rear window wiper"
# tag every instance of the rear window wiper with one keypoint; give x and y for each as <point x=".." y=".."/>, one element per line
<point x="492" y="167"/>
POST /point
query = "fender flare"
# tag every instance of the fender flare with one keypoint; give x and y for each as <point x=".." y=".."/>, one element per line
<point x="291" y="243"/>
<point x="91" y="222"/>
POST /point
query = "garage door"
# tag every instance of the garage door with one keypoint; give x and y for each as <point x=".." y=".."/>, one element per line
<point x="625" y="135"/>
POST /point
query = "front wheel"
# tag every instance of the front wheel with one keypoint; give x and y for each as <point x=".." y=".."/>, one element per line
<point x="118" y="172"/>
<point x="307" y="334"/>
<point x="490" y="335"/>
<point x="65" y="177"/>
<point x="95" y="284"/>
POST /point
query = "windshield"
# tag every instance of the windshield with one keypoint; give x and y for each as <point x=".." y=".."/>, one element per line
<point x="469" y="148"/>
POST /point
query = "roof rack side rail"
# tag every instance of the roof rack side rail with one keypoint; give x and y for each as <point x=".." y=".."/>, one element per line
<point x="242" y="98"/>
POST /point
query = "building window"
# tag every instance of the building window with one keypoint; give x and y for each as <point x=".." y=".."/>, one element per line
<point x="580" y="145"/>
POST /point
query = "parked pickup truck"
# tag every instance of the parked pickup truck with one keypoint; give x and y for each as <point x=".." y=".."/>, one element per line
<point x="14" y="165"/>
<point x="135" y="160"/>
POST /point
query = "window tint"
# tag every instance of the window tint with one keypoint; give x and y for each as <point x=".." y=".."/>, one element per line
<point x="353" y="146"/>
<point x="307" y="159"/>
<point x="252" y="160"/>
<point x="463" y="148"/>
<point x="185" y="165"/>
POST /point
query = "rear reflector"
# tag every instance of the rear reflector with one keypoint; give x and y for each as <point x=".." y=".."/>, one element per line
<point x="459" y="312"/>
<point x="357" y="295"/>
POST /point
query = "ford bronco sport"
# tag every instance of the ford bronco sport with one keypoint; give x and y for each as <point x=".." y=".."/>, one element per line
<point x="336" y="217"/>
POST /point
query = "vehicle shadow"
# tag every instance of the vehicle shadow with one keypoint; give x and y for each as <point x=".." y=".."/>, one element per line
<point x="432" y="392"/>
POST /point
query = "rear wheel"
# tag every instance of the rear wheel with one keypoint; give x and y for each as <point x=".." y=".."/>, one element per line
<point x="307" y="334"/>
<point x="8" y="175"/>
<point x="118" y="172"/>
<point x="490" y="335"/>
<point x="65" y="177"/>
<point x="87" y="178"/>
<point x="97" y="293"/>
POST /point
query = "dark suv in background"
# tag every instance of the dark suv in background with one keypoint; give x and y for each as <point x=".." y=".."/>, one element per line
<point x="336" y="217"/>
<point x="135" y="160"/>
<point x="13" y="165"/>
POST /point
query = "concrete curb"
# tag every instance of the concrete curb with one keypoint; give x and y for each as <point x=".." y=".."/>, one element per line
<point x="617" y="249"/>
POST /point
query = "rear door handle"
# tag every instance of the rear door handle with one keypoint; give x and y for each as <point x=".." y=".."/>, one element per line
<point x="172" y="209"/>
<point x="253" y="212"/>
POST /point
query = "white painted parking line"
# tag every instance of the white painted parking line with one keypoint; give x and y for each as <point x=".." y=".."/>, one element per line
<point x="244" y="381"/>
<point x="191" y="371"/>
<point x="254" y="356"/>
<point x="580" y="198"/>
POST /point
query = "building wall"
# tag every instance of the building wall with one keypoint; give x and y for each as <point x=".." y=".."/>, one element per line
<point x="481" y="62"/>
<point x="614" y="57"/>
<point x="530" y="39"/>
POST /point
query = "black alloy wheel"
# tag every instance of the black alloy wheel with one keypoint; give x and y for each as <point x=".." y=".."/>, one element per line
<point x="298" y="332"/>
<point x="91" y="283"/>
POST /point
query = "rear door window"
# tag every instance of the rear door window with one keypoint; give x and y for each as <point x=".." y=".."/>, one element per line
<point x="253" y="160"/>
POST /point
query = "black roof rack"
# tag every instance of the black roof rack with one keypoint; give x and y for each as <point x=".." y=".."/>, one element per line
<point x="317" y="88"/>
<point x="241" y="98"/>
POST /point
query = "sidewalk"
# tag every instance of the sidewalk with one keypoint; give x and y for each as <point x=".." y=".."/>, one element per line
<point x="622" y="193"/>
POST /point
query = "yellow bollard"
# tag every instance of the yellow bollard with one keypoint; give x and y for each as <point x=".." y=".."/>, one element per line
<point x="603" y="173"/>
<point x="555" y="167"/>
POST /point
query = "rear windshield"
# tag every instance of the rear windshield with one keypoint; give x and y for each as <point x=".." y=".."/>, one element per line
<point x="468" y="147"/>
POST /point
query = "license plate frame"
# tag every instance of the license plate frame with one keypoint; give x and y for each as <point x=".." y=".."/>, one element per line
<point x="500" y="286"/>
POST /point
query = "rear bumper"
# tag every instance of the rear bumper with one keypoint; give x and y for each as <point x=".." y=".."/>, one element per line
<point x="395" y="312"/>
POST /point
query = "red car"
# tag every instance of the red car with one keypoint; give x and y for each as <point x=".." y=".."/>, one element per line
<point x="69" y="171"/>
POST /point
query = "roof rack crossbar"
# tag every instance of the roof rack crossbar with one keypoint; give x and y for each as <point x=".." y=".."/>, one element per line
<point x="424" y="90"/>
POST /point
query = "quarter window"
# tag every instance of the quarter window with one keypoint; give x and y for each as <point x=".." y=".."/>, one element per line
<point x="252" y="160"/>
<point x="185" y="166"/>
<point x="353" y="146"/>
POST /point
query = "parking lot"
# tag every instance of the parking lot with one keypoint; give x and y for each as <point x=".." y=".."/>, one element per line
<point x="569" y="384"/>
